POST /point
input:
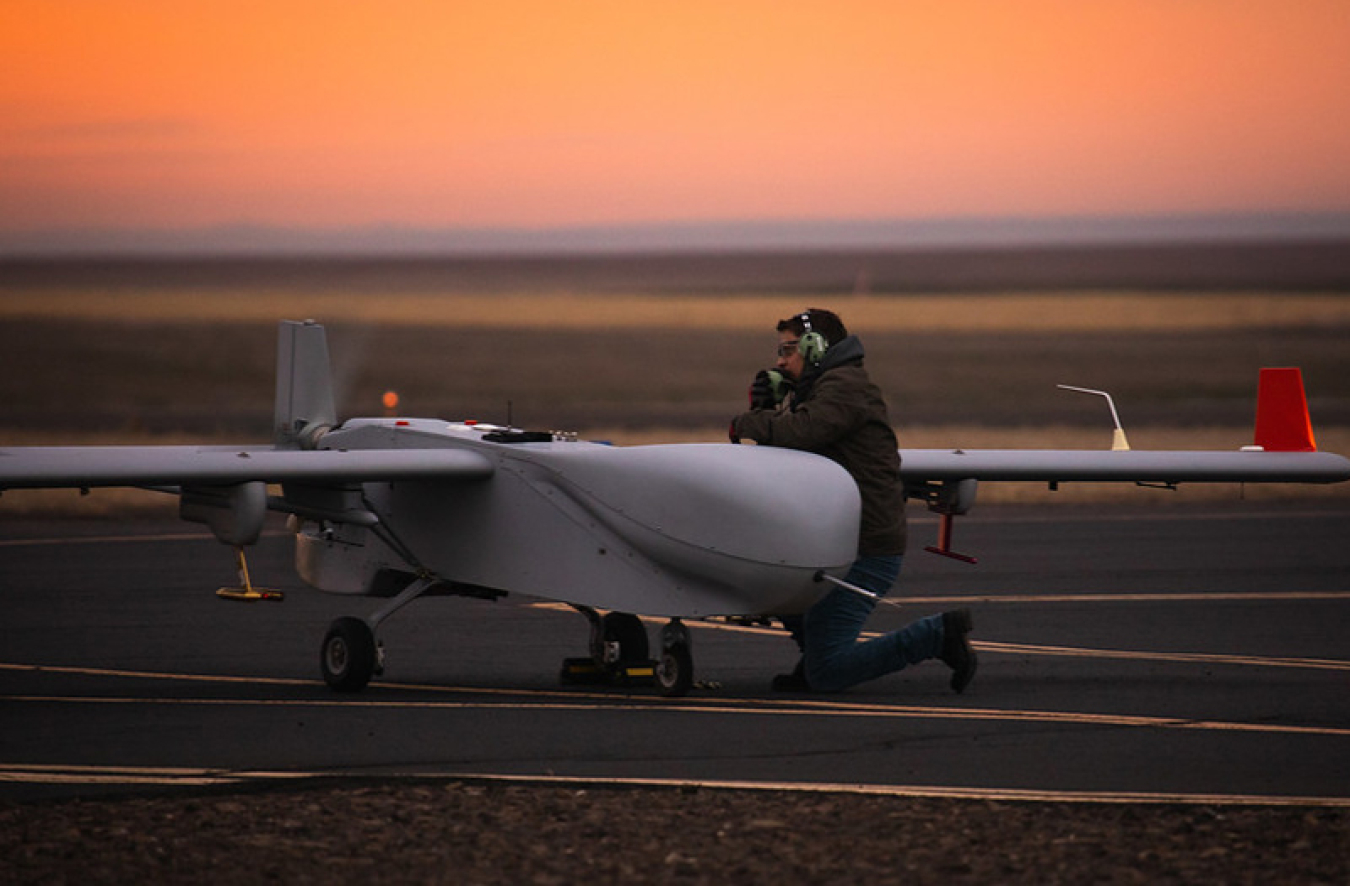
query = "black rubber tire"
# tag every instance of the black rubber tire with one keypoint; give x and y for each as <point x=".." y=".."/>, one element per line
<point x="628" y="631"/>
<point x="348" y="657"/>
<point x="675" y="671"/>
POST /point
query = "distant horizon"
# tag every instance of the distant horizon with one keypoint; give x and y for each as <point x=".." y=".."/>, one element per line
<point x="308" y="128"/>
<point x="894" y="234"/>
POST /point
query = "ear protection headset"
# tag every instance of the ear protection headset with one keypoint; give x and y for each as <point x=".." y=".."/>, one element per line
<point x="812" y="345"/>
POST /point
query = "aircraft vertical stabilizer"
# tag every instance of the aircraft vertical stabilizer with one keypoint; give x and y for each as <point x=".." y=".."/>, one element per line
<point x="304" y="403"/>
<point x="1282" y="420"/>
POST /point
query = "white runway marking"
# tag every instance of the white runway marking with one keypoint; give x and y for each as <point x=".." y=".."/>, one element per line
<point x="1179" y="597"/>
<point x="120" y="539"/>
<point x="562" y="700"/>
<point x="1320" y="664"/>
<point x="28" y="773"/>
<point x="995" y="647"/>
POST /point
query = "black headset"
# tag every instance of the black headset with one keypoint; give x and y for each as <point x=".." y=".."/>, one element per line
<point x="812" y="345"/>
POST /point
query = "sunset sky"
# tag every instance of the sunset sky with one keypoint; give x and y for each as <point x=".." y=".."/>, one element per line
<point x="165" y="115"/>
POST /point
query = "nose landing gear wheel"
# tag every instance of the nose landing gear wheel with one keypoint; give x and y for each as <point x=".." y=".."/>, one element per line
<point x="349" y="656"/>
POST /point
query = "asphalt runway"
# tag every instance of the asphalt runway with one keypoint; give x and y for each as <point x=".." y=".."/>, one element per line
<point x="1191" y="653"/>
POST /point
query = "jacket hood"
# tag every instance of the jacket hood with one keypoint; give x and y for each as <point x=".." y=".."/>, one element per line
<point x="847" y="350"/>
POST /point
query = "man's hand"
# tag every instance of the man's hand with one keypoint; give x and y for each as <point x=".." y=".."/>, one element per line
<point x="768" y="389"/>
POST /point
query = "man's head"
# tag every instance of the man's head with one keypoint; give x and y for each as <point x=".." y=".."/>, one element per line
<point x="804" y="338"/>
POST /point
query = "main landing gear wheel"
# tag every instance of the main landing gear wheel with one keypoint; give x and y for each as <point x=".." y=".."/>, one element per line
<point x="623" y="640"/>
<point x="675" y="667"/>
<point x="675" y="671"/>
<point x="349" y="656"/>
<point x="620" y="654"/>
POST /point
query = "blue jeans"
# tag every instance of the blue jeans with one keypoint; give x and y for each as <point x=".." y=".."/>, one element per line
<point x="828" y="632"/>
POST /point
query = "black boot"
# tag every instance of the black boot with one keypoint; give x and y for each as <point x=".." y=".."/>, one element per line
<point x="956" y="651"/>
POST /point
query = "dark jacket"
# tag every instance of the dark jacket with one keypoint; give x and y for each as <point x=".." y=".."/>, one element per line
<point x="836" y="411"/>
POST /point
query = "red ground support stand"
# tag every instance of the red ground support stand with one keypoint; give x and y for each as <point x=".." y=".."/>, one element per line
<point x="944" y="545"/>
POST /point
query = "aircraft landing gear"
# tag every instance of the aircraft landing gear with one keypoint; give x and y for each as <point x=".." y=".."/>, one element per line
<point x="619" y="654"/>
<point x="619" y="638"/>
<point x="675" y="667"/>
<point x="351" y="655"/>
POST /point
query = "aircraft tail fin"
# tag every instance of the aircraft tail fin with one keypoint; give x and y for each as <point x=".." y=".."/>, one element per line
<point x="304" y="404"/>
<point x="1282" y="420"/>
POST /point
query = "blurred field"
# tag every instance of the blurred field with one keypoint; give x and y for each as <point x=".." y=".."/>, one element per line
<point x="85" y="360"/>
<point x="216" y="377"/>
<point x="914" y="314"/>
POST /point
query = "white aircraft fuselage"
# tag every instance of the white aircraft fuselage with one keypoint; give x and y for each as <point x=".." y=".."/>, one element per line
<point x="672" y="530"/>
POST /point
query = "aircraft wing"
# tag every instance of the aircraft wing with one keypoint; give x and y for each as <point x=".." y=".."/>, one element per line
<point x="1284" y="451"/>
<point x="947" y="478"/>
<point x="1140" y="466"/>
<point x="89" y="466"/>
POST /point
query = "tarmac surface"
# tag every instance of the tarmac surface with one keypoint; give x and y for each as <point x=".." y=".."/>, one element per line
<point x="1185" y="654"/>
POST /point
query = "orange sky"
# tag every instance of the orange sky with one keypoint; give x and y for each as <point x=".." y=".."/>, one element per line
<point x="171" y="114"/>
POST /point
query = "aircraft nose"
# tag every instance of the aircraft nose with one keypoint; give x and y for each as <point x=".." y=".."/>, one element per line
<point x="759" y="504"/>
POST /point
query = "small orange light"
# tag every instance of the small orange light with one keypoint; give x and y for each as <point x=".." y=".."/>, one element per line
<point x="390" y="400"/>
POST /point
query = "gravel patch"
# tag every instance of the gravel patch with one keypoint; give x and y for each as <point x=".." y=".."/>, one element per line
<point x="471" y="833"/>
